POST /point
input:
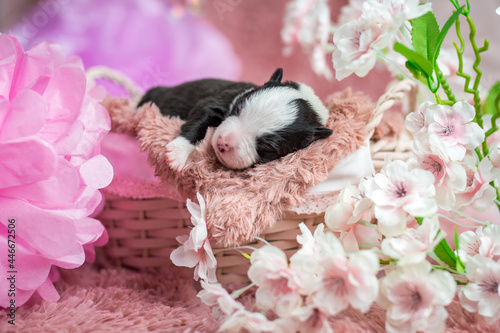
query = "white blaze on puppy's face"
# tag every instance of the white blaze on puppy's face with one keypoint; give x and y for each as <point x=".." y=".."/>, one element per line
<point x="265" y="111"/>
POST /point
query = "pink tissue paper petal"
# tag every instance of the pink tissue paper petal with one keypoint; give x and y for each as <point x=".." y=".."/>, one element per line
<point x="27" y="105"/>
<point x="26" y="161"/>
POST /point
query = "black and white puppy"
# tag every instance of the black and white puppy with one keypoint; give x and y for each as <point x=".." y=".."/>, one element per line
<point x="254" y="124"/>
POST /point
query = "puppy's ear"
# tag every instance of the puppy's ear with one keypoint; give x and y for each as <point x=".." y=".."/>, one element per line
<point x="277" y="76"/>
<point x="321" y="133"/>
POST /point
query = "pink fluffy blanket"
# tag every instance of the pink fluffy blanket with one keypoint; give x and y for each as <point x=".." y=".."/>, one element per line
<point x="122" y="300"/>
<point x="242" y="204"/>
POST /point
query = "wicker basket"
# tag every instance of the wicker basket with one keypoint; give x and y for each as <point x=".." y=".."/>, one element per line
<point x="142" y="232"/>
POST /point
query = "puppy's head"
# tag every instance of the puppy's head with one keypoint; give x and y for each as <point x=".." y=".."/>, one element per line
<point x="270" y="122"/>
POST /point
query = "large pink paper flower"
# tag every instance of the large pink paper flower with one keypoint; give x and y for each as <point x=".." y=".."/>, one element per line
<point x="51" y="127"/>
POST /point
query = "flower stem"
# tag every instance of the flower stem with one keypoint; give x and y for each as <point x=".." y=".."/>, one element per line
<point x="238" y="248"/>
<point x="494" y="126"/>
<point x="237" y="293"/>
<point x="263" y="240"/>
<point x="464" y="215"/>
<point x="446" y="87"/>
<point x="389" y="61"/>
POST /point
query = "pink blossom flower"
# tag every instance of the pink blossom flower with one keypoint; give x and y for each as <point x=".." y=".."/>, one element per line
<point x="307" y="318"/>
<point x="478" y="192"/>
<point x="413" y="244"/>
<point x="307" y="23"/>
<point x="450" y="177"/>
<point x="306" y="262"/>
<point x="482" y="294"/>
<point x="494" y="155"/>
<point x="393" y="12"/>
<point x="196" y="250"/>
<point x="485" y="242"/>
<point x="347" y="282"/>
<point x="214" y="295"/>
<point x="416" y="121"/>
<point x="398" y="193"/>
<point x="415" y="297"/>
<point x="51" y="169"/>
<point x="332" y="281"/>
<point x="342" y="218"/>
<point x="279" y="286"/>
<point x="452" y="131"/>
<point x="246" y="321"/>
<point x="350" y="12"/>
<point x="356" y="45"/>
<point x="232" y="314"/>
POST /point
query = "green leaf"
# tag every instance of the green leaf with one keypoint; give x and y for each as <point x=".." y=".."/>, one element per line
<point x="445" y="253"/>
<point x="419" y="220"/>
<point x="424" y="33"/>
<point x="418" y="61"/>
<point x="489" y="103"/>
<point x="444" y="32"/>
<point x="460" y="265"/>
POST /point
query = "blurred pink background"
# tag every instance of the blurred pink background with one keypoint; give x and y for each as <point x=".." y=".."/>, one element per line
<point x="253" y="31"/>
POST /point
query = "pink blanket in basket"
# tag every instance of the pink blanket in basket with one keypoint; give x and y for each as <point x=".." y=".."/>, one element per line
<point x="242" y="204"/>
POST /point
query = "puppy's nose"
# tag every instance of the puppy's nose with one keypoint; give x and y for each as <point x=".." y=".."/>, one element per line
<point x="223" y="145"/>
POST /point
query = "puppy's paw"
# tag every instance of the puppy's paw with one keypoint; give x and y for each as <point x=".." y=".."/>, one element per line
<point x="177" y="153"/>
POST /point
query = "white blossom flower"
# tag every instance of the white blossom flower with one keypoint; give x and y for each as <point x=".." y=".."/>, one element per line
<point x="196" y="250"/>
<point x="279" y="286"/>
<point x="199" y="233"/>
<point x="478" y="193"/>
<point x="416" y="122"/>
<point x="494" y="155"/>
<point x="232" y="314"/>
<point x="307" y="318"/>
<point x="214" y="295"/>
<point x="415" y="297"/>
<point x="393" y="12"/>
<point x="482" y="294"/>
<point x="350" y="12"/>
<point x="399" y="192"/>
<point x="307" y="23"/>
<point x="450" y="177"/>
<point x="356" y="45"/>
<point x="342" y="218"/>
<point x="347" y="282"/>
<point x="485" y="242"/>
<point x="306" y="262"/>
<point x="413" y="245"/>
<point x="246" y="321"/>
<point x="452" y="130"/>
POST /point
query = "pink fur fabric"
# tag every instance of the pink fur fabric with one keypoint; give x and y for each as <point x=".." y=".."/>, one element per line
<point x="122" y="300"/>
<point x="242" y="204"/>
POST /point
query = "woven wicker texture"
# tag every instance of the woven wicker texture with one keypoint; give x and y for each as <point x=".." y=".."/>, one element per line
<point x="142" y="232"/>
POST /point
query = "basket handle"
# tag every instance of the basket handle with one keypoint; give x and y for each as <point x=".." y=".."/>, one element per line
<point x="103" y="72"/>
<point x="399" y="91"/>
